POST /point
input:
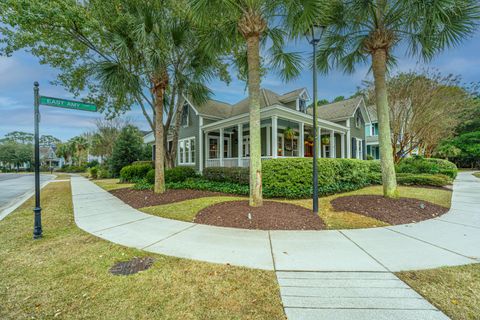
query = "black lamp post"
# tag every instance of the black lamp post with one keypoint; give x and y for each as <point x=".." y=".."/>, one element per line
<point x="313" y="36"/>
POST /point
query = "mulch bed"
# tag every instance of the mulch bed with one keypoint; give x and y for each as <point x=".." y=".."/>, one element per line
<point x="146" y="198"/>
<point x="392" y="211"/>
<point x="271" y="216"/>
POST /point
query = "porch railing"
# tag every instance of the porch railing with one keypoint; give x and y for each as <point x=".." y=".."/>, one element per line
<point x="233" y="162"/>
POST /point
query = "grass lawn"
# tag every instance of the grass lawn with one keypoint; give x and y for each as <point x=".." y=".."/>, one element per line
<point x="454" y="290"/>
<point x="111" y="184"/>
<point x="186" y="210"/>
<point x="62" y="176"/>
<point x="476" y="174"/>
<point x="65" y="275"/>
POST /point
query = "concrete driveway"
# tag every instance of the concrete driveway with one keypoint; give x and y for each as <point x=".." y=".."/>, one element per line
<point x="16" y="187"/>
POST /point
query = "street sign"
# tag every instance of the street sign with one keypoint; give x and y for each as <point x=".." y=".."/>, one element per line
<point x="52" y="102"/>
<point x="69" y="104"/>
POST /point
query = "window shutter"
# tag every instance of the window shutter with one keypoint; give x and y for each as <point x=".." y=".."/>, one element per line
<point x="364" y="155"/>
<point x="354" y="148"/>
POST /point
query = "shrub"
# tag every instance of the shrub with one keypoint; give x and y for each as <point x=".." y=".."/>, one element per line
<point x="142" y="184"/>
<point x="292" y="177"/>
<point x="150" y="177"/>
<point x="133" y="173"/>
<point x="150" y="162"/>
<point x="437" y="180"/>
<point x="128" y="148"/>
<point x="93" y="172"/>
<point x="420" y="165"/>
<point x="222" y="174"/>
<point x="179" y="174"/>
<point x="103" y="173"/>
<point x="93" y="163"/>
<point x="202" y="184"/>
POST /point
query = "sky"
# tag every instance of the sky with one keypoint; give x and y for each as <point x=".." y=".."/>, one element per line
<point x="18" y="72"/>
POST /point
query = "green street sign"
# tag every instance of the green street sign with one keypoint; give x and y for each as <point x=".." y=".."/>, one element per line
<point x="69" y="104"/>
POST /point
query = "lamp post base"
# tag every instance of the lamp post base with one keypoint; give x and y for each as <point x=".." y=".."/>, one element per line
<point x="37" y="229"/>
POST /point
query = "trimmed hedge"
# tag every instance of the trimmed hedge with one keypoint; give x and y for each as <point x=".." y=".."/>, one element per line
<point x="223" y="174"/>
<point x="202" y="184"/>
<point x="292" y="177"/>
<point x="436" y="180"/>
<point x="133" y="173"/>
<point x="420" y="165"/>
<point x="177" y="174"/>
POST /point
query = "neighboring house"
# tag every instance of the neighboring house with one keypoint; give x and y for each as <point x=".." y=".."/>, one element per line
<point x="217" y="133"/>
<point x="49" y="158"/>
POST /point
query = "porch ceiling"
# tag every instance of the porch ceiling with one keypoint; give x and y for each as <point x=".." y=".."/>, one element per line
<point x="280" y="112"/>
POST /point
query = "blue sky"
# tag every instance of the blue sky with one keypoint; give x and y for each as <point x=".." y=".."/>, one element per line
<point x="17" y="74"/>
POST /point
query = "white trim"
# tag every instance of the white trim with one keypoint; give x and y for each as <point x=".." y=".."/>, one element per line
<point x="349" y="140"/>
<point x="182" y="157"/>
<point x="274" y="137"/>
<point x="269" y="140"/>
<point x="200" y="144"/>
<point x="301" y="138"/>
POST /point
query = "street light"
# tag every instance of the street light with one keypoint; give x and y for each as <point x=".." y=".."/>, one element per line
<point x="313" y="37"/>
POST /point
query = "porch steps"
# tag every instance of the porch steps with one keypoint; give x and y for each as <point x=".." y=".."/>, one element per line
<point x="351" y="295"/>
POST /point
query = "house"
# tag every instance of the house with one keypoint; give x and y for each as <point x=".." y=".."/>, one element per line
<point x="371" y="133"/>
<point x="217" y="133"/>
<point x="49" y="158"/>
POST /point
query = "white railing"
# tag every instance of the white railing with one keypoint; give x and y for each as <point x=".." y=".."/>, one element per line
<point x="233" y="162"/>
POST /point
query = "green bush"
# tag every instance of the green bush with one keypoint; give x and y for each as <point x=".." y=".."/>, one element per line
<point x="93" y="172"/>
<point x="150" y="177"/>
<point x="292" y="177"/>
<point x="202" y="184"/>
<point x="142" y="184"/>
<point x="133" y="173"/>
<point x="103" y="173"/>
<point x="150" y="162"/>
<point x="437" y="180"/>
<point x="179" y="174"/>
<point x="420" y="165"/>
<point x="223" y="174"/>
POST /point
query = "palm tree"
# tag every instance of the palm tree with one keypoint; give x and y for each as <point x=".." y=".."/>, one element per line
<point x="363" y="29"/>
<point x="156" y="49"/>
<point x="243" y="28"/>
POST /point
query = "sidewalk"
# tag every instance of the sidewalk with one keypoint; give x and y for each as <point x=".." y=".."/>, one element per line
<point x="451" y="239"/>
<point x="330" y="274"/>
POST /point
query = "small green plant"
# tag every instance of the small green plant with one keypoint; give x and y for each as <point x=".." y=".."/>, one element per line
<point x="93" y="172"/>
<point x="142" y="184"/>
<point x="133" y="173"/>
<point x="179" y="174"/>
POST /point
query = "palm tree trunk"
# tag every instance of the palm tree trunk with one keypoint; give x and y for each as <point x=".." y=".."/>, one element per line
<point x="253" y="55"/>
<point x="159" y="91"/>
<point x="379" y="66"/>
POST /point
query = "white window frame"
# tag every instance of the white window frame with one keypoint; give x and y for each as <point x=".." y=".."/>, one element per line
<point x="183" y="158"/>
<point x="358" y="121"/>
<point x="228" y="150"/>
<point x="359" y="154"/>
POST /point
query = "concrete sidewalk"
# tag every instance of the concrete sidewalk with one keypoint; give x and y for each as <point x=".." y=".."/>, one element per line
<point x="451" y="239"/>
<point x="344" y="274"/>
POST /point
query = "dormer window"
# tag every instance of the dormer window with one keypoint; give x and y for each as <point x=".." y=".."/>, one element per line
<point x="302" y="105"/>
<point x="185" y="117"/>
<point x="358" y="120"/>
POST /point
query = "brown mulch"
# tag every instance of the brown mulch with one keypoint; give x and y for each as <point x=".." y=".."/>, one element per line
<point x="146" y="198"/>
<point x="271" y="216"/>
<point x="392" y="211"/>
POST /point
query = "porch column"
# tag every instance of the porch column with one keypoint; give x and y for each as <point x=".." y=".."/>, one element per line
<point x="333" y="152"/>
<point x="274" y="137"/>
<point x="240" y="144"/>
<point x="199" y="145"/>
<point x="269" y="141"/>
<point x="342" y="144"/>
<point x="222" y="143"/>
<point x="301" y="140"/>
<point x="349" y="141"/>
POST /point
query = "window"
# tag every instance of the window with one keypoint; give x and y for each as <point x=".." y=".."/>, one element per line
<point x="246" y="146"/>
<point x="374" y="129"/>
<point x="358" y="120"/>
<point x="302" y="105"/>
<point x="213" y="148"/>
<point x="359" y="154"/>
<point x="185" y="115"/>
<point x="186" y="151"/>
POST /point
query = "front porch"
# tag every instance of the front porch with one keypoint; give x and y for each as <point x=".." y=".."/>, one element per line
<point x="281" y="137"/>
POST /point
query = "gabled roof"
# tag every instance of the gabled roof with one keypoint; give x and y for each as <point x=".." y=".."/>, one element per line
<point x="372" y="112"/>
<point x="338" y="110"/>
<point x="218" y="109"/>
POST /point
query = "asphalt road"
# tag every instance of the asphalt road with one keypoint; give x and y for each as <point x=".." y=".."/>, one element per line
<point x="14" y="186"/>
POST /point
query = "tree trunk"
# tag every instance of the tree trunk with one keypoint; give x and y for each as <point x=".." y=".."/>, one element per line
<point x="172" y="154"/>
<point x="253" y="55"/>
<point x="379" y="66"/>
<point x="159" y="91"/>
